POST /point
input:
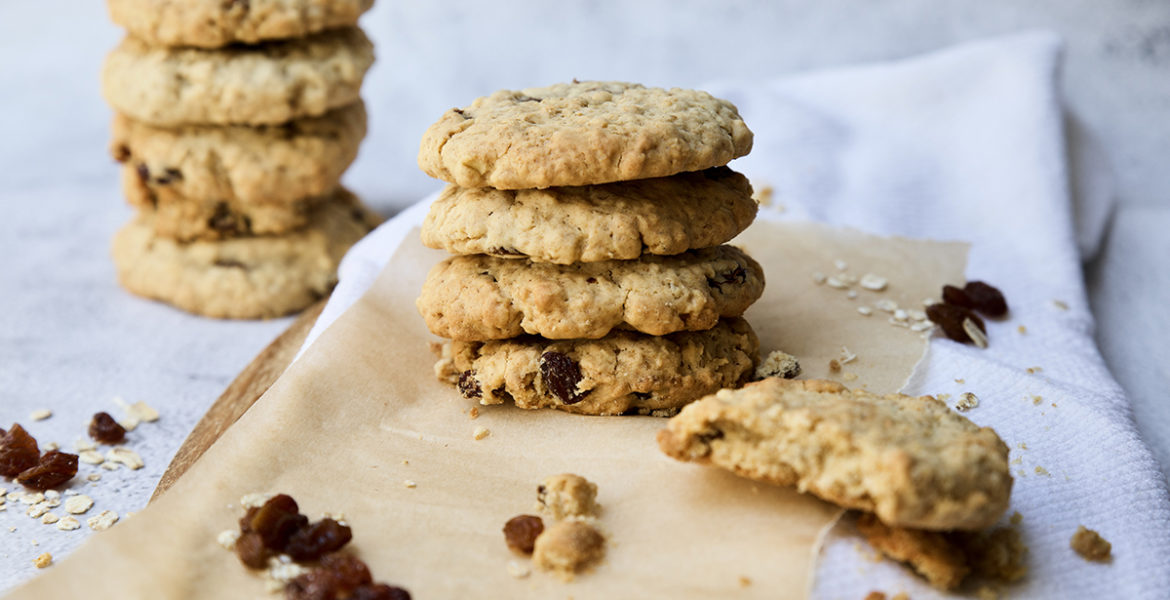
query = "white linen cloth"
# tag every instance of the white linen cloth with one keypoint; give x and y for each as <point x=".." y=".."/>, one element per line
<point x="962" y="144"/>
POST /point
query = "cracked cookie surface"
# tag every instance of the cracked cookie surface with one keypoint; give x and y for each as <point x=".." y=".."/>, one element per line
<point x="616" y="221"/>
<point x="242" y="278"/>
<point x="582" y="133"/>
<point x="624" y="372"/>
<point x="253" y="85"/>
<point x="909" y="460"/>
<point x="477" y="298"/>
<point x="215" y="23"/>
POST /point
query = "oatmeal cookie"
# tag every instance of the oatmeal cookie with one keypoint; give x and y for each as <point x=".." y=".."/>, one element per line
<point x="909" y="460"/>
<point x="479" y="298"/>
<point x="582" y="133"/>
<point x="624" y="372"/>
<point x="616" y="221"/>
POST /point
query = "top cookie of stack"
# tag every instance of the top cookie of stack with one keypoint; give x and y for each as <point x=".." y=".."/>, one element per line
<point x="588" y="219"/>
<point x="235" y="121"/>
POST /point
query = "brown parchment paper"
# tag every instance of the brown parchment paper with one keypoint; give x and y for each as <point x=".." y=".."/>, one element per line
<point x="360" y="413"/>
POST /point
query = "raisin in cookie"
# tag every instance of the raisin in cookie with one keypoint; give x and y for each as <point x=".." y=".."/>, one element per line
<point x="582" y="133"/>
<point x="237" y="165"/>
<point x="215" y="23"/>
<point x="253" y="85"/>
<point x="624" y="372"/>
<point x="478" y="298"/>
<point x="909" y="460"/>
<point x="242" y="278"/>
<point x="616" y="221"/>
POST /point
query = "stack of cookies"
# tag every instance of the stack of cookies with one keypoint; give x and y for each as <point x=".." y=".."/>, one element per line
<point x="235" y="121"/>
<point x="587" y="220"/>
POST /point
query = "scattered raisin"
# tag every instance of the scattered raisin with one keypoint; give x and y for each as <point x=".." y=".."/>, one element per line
<point x="379" y="591"/>
<point x="105" y="430"/>
<point x="520" y="532"/>
<point x="348" y="571"/>
<point x="317" y="540"/>
<point x="251" y="550"/>
<point x="956" y="296"/>
<point x="53" y="469"/>
<point x="561" y="375"/>
<point x="277" y="520"/>
<point x="986" y="299"/>
<point x="18" y="451"/>
<point x="468" y="386"/>
<point x="950" y="318"/>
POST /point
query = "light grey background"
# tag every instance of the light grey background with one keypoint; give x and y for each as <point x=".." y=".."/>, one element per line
<point x="70" y="340"/>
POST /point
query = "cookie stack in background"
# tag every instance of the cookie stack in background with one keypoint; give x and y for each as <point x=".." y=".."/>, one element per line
<point x="234" y="124"/>
<point x="587" y="220"/>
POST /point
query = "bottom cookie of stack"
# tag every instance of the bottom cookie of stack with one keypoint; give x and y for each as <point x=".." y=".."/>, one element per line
<point x="243" y="277"/>
<point x="623" y="372"/>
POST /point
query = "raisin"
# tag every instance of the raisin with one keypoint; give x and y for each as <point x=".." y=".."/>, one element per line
<point x="461" y="112"/>
<point x="222" y="219"/>
<point x="317" y="584"/>
<point x="643" y="395"/>
<point x="520" y="532"/>
<point x="950" y="318"/>
<point x="143" y="173"/>
<point x="348" y="571"/>
<point x="591" y="280"/>
<point x="18" y="451"/>
<point x="379" y="591"/>
<point x="317" y="540"/>
<point x="561" y="375"/>
<point x="53" y="469"/>
<point x="170" y="175"/>
<point x="251" y="550"/>
<point x="986" y="299"/>
<point x="503" y="252"/>
<point x="277" y="520"/>
<point x="468" y="386"/>
<point x="121" y="153"/>
<point x="737" y="275"/>
<point x="105" y="430"/>
<point x="956" y="296"/>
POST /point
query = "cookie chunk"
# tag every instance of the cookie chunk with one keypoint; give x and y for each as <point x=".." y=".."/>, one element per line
<point x="567" y="495"/>
<point x="242" y="278"/>
<point x="262" y="168"/>
<point x="624" y="372"/>
<point x="254" y="85"/>
<point x="1090" y="545"/>
<point x="584" y="133"/>
<point x="930" y="553"/>
<point x="909" y="460"/>
<point x="616" y="221"/>
<point x="215" y="23"/>
<point x="478" y="298"/>
<point x="567" y="548"/>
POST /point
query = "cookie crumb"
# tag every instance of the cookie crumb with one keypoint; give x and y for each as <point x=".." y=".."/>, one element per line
<point x="998" y="554"/>
<point x="227" y="538"/>
<point x="1023" y="330"/>
<point x="865" y="311"/>
<point x="1090" y="545"/>
<point x="473" y="413"/>
<point x="78" y="504"/>
<point x="567" y="548"/>
<point x="104" y="520"/>
<point x="966" y="402"/>
<point x="744" y="581"/>
<point x="1042" y="471"/>
<point x="409" y="483"/>
<point x="763" y="196"/>
<point x="68" y="524"/>
<point x="40" y="414"/>
<point x="1034" y="370"/>
<point x="834" y="366"/>
<point x="1036" y="400"/>
<point x="931" y="554"/>
<point x="960" y="381"/>
<point x="481" y="432"/>
<point x="518" y="570"/>
<point x="1061" y="304"/>
<point x="567" y="495"/>
<point x="43" y="560"/>
<point x="778" y="364"/>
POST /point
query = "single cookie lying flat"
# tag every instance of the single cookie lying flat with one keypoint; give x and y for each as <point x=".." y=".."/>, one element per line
<point x="478" y="298"/>
<point x="909" y="460"/>
<point x="242" y="167"/>
<point x="254" y="85"/>
<point x="242" y="278"/>
<point x="616" y="221"/>
<point x="622" y="372"/>
<point x="215" y="23"/>
<point x="584" y="133"/>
